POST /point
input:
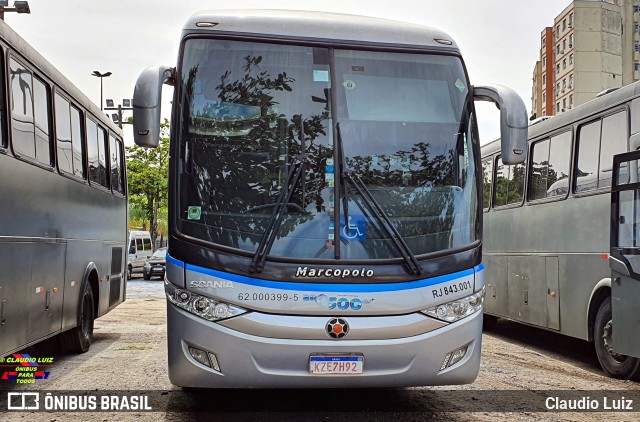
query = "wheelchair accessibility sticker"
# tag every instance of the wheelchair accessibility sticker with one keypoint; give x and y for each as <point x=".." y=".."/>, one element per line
<point x="356" y="230"/>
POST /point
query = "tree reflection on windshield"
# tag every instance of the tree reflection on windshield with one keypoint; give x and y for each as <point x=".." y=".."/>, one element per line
<point x="248" y="113"/>
<point x="239" y="152"/>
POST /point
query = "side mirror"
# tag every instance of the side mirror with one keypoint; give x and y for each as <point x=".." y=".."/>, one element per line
<point x="132" y="250"/>
<point x="513" y="120"/>
<point x="147" y="97"/>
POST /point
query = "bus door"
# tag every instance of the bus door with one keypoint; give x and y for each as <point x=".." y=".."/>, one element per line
<point x="624" y="259"/>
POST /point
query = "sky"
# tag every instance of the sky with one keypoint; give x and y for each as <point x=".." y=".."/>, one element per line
<point x="499" y="39"/>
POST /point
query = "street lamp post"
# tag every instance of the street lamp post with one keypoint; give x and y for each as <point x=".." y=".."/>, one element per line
<point x="101" y="75"/>
<point x="117" y="118"/>
<point x="18" y="6"/>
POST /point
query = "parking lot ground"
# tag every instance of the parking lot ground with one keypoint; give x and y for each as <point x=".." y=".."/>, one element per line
<point x="521" y="367"/>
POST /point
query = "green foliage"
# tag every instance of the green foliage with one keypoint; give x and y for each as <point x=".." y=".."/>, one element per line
<point x="510" y="189"/>
<point x="147" y="171"/>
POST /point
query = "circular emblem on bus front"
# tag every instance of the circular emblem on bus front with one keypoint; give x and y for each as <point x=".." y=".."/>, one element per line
<point x="337" y="328"/>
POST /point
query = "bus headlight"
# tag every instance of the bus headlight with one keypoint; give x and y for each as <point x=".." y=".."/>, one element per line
<point x="457" y="309"/>
<point x="204" y="307"/>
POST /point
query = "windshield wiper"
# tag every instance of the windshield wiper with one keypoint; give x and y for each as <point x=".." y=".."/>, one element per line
<point x="350" y="176"/>
<point x="297" y="169"/>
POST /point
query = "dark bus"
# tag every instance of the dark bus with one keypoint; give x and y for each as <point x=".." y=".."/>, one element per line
<point x="63" y="219"/>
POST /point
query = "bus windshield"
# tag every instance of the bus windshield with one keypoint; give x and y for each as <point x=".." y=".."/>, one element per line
<point x="252" y="113"/>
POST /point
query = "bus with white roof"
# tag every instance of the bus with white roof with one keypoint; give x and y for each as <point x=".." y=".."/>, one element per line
<point x="325" y="197"/>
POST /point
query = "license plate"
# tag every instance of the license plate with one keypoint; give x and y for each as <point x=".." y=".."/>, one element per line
<point x="336" y="364"/>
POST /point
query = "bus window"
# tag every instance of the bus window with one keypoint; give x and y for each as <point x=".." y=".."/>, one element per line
<point x="146" y="242"/>
<point x="93" y="152"/>
<point x="487" y="177"/>
<point x="550" y="167"/>
<point x="509" y="184"/>
<point x="115" y="150"/>
<point x="594" y="156"/>
<point x="77" y="143"/>
<point x="102" y="158"/>
<point x="63" y="135"/>
<point x="539" y="170"/>
<point x="41" y="114"/>
<point x="588" y="151"/>
<point x="635" y="119"/>
<point x="559" y="161"/>
<point x="614" y="131"/>
<point x="69" y="138"/>
<point x="22" y="110"/>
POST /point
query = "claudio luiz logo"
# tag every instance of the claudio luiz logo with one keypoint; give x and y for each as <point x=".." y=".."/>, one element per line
<point x="24" y="369"/>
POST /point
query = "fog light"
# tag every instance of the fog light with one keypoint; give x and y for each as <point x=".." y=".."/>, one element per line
<point x="445" y="362"/>
<point x="200" y="356"/>
<point x="214" y="362"/>
<point x="453" y="357"/>
<point x="457" y="356"/>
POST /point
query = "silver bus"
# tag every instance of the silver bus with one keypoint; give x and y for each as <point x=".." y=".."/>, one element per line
<point x="324" y="201"/>
<point x="63" y="219"/>
<point x="546" y="224"/>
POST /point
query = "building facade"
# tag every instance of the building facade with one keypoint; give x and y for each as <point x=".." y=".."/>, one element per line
<point x="594" y="45"/>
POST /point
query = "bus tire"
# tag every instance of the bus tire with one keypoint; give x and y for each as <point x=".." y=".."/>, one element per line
<point x="78" y="339"/>
<point x="489" y="322"/>
<point x="129" y="272"/>
<point x="613" y="364"/>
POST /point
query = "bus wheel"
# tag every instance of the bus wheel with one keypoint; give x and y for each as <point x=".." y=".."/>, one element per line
<point x="129" y="272"/>
<point x="614" y="364"/>
<point x="78" y="339"/>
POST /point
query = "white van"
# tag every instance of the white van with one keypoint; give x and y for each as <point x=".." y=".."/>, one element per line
<point x="140" y="249"/>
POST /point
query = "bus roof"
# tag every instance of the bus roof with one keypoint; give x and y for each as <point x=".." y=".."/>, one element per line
<point x="35" y="59"/>
<point x="578" y="113"/>
<point x="306" y="25"/>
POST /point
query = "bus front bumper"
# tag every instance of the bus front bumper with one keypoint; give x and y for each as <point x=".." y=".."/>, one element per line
<point x="249" y="361"/>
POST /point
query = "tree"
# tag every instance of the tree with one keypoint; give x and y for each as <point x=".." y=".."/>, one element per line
<point x="147" y="170"/>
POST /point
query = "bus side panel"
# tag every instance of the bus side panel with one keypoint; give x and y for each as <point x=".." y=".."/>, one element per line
<point x="81" y="254"/>
<point x="117" y="282"/>
<point x="31" y="291"/>
<point x="14" y="296"/>
<point x="46" y="288"/>
<point x="553" y="302"/>
<point x="497" y="296"/>
<point x="76" y="265"/>
<point x="527" y="289"/>
<point x="579" y="273"/>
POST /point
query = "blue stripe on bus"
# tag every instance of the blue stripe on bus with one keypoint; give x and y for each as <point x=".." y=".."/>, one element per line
<point x="328" y="287"/>
<point x="172" y="260"/>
